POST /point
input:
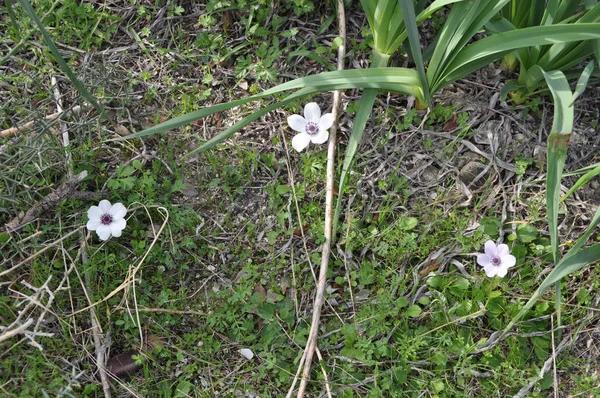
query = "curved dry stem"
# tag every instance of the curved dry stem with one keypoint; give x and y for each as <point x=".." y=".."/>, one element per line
<point x="311" y="344"/>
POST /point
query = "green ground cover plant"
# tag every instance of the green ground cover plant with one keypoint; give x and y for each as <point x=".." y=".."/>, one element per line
<point x="205" y="286"/>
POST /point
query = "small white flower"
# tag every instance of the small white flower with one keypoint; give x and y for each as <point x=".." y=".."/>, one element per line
<point x="106" y="219"/>
<point x="246" y="353"/>
<point x="312" y="127"/>
<point x="496" y="260"/>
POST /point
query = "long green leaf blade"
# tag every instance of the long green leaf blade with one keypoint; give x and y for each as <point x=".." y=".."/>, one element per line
<point x="365" y="106"/>
<point x="54" y="50"/>
<point x="491" y="48"/>
<point x="583" y="238"/>
<point x="410" y="20"/>
<point x="584" y="179"/>
<point x="570" y="264"/>
<point x="566" y="267"/>
<point x="583" y="80"/>
<point x="394" y="79"/>
<point x="558" y="144"/>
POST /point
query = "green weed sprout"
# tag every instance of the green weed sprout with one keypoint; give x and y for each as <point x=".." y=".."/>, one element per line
<point x="558" y="143"/>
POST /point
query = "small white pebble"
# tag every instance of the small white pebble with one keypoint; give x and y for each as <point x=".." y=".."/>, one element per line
<point x="247" y="353"/>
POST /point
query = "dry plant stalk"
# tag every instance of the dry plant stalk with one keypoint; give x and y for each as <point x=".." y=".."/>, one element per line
<point x="30" y="125"/>
<point x="47" y="204"/>
<point x="311" y="344"/>
<point x="29" y="303"/>
<point x="96" y="328"/>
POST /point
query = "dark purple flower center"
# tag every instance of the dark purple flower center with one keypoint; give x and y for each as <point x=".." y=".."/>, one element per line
<point x="496" y="261"/>
<point x="106" y="219"/>
<point x="311" y="128"/>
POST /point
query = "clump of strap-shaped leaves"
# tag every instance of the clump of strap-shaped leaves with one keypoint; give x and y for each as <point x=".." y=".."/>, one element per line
<point x="450" y="57"/>
<point x="532" y="61"/>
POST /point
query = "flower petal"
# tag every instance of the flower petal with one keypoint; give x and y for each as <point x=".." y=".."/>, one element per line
<point x="300" y="141"/>
<point x="503" y="250"/>
<point x="118" y="211"/>
<point x="93" y="224"/>
<point x="94" y="213"/>
<point x="320" y="137"/>
<point x="483" y="259"/>
<point x="103" y="232"/>
<point x="508" y="261"/>
<point x="104" y="206"/>
<point x="117" y="226"/>
<point x="491" y="270"/>
<point x="247" y="353"/>
<point x="491" y="249"/>
<point x="297" y="123"/>
<point x="502" y="271"/>
<point x="312" y="112"/>
<point x="326" y="121"/>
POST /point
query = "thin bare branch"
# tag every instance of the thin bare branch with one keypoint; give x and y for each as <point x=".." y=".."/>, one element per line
<point x="311" y="344"/>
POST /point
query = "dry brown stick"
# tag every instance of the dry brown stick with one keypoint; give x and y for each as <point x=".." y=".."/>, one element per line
<point x="47" y="204"/>
<point x="96" y="329"/>
<point x="20" y="329"/>
<point x="59" y="109"/>
<point x="327" y="383"/>
<point x="63" y="126"/>
<point x="311" y="343"/>
<point x="29" y="125"/>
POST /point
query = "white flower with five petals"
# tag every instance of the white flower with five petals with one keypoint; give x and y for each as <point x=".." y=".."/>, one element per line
<point x="312" y="127"/>
<point x="496" y="260"/>
<point x="106" y="219"/>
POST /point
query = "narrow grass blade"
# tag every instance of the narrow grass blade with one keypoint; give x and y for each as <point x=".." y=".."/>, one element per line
<point x="583" y="80"/>
<point x="365" y="106"/>
<point x="584" y="238"/>
<point x="54" y="50"/>
<point x="15" y="25"/>
<point x="582" y="170"/>
<point x="584" y="179"/>
<point x="245" y="121"/>
<point x="566" y="267"/>
<point x="570" y="264"/>
<point x="410" y="20"/>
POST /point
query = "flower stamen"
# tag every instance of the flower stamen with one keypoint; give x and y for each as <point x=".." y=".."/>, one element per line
<point x="312" y="128"/>
<point x="495" y="260"/>
<point x="106" y="219"/>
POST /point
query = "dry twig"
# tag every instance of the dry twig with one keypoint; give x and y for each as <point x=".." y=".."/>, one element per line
<point x="96" y="329"/>
<point x="30" y="125"/>
<point x="46" y="204"/>
<point x="311" y="344"/>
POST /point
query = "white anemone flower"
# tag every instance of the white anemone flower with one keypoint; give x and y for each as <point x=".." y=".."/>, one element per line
<point x="496" y="260"/>
<point x="312" y="127"/>
<point x="106" y="219"/>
